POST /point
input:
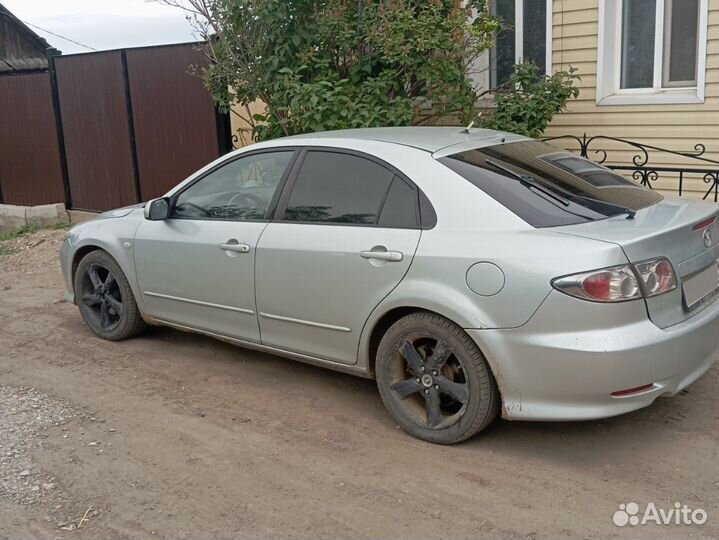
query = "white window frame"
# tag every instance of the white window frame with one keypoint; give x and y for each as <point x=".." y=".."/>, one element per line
<point x="481" y="70"/>
<point x="609" y="61"/>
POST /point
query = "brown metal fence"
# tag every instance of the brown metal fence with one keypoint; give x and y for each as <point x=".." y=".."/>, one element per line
<point x="30" y="171"/>
<point x="173" y="114"/>
<point x="96" y="130"/>
<point x="107" y="129"/>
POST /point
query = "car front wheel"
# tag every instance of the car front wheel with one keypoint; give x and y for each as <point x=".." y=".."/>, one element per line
<point x="434" y="380"/>
<point x="105" y="299"/>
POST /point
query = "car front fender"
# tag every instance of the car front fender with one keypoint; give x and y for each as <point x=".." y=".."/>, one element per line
<point x="115" y="236"/>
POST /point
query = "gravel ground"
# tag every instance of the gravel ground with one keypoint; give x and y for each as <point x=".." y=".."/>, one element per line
<point x="27" y="415"/>
<point x="173" y="435"/>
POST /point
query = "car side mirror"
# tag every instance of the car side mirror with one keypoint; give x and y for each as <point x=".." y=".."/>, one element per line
<point x="157" y="209"/>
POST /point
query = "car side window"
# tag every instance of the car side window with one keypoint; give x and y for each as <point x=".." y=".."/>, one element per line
<point x="332" y="187"/>
<point x="238" y="191"/>
<point x="400" y="208"/>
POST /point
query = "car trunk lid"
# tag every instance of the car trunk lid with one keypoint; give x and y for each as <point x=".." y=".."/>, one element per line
<point x="686" y="233"/>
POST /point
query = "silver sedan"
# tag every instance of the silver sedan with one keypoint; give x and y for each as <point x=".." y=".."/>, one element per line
<point x="470" y="272"/>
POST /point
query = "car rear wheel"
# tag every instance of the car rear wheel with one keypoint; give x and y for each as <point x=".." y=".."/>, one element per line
<point x="434" y="380"/>
<point x="105" y="299"/>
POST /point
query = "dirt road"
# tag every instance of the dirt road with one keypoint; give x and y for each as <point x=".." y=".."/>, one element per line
<point x="178" y="436"/>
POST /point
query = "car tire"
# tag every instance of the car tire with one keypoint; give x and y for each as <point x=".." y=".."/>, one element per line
<point x="434" y="380"/>
<point x="105" y="299"/>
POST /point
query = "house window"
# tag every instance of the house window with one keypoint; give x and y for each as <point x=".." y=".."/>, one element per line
<point x="526" y="36"/>
<point x="681" y="30"/>
<point x="651" y="51"/>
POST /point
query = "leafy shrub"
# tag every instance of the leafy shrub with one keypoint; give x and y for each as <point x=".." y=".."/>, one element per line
<point x="526" y="103"/>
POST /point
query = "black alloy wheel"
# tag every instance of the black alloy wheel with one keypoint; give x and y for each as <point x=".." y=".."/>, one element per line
<point x="434" y="380"/>
<point x="105" y="299"/>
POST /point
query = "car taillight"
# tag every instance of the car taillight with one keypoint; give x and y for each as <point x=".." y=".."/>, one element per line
<point x="657" y="277"/>
<point x="620" y="283"/>
<point x="617" y="284"/>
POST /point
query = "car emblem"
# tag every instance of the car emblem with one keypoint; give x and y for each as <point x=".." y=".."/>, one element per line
<point x="707" y="238"/>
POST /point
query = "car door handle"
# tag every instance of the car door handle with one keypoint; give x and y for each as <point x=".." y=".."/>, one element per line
<point x="389" y="256"/>
<point x="235" y="246"/>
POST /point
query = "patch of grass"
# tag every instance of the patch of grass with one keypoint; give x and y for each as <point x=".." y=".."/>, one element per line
<point x="29" y="229"/>
<point x="17" y="233"/>
<point x="60" y="226"/>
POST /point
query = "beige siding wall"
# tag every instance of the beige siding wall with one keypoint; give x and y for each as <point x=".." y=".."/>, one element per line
<point x="678" y="127"/>
<point x="241" y="127"/>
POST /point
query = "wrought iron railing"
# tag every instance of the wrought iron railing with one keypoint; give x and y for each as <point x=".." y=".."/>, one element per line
<point x="646" y="173"/>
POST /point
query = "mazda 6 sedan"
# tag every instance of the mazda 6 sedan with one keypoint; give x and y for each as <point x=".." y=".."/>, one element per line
<point x="470" y="272"/>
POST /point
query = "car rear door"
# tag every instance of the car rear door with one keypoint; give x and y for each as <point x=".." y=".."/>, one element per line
<point x="196" y="268"/>
<point x="345" y="234"/>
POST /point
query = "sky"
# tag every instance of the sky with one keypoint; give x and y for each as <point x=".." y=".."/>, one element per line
<point x="103" y="24"/>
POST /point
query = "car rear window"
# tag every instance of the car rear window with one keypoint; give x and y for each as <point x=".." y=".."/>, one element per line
<point x="547" y="187"/>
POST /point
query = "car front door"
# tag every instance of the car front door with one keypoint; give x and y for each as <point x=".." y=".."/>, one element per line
<point x="196" y="268"/>
<point x="346" y="231"/>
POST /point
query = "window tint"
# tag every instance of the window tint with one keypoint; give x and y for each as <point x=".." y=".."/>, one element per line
<point x="568" y="189"/>
<point x="427" y="215"/>
<point x="338" y="188"/>
<point x="241" y="190"/>
<point x="400" y="206"/>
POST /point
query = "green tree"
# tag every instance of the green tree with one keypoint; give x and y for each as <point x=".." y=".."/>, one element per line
<point x="333" y="64"/>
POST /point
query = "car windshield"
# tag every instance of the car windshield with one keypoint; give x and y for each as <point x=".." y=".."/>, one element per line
<point x="547" y="187"/>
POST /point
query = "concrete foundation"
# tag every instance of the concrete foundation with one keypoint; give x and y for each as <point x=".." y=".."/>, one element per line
<point x="14" y="217"/>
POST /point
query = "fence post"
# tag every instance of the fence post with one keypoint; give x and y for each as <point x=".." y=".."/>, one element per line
<point x="52" y="54"/>
<point x="224" y="132"/>
<point x="131" y="126"/>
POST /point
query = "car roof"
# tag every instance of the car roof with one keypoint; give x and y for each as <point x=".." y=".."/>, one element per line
<point x="430" y="139"/>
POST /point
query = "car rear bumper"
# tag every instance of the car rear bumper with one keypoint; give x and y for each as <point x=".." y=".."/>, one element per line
<point x="565" y="363"/>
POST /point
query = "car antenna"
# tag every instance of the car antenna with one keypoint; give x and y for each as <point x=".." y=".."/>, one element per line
<point x="471" y="124"/>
